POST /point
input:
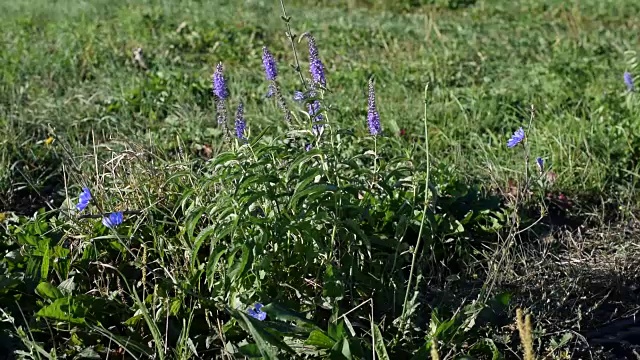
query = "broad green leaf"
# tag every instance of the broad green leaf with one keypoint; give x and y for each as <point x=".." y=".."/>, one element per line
<point x="341" y="350"/>
<point x="49" y="291"/>
<point x="378" y="343"/>
<point x="64" y="309"/>
<point x="336" y="330"/>
<point x="281" y="313"/>
<point x="319" y="339"/>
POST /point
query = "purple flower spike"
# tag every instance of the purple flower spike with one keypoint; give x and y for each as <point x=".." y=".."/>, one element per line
<point x="628" y="80"/>
<point x="219" y="84"/>
<point x="516" y="138"/>
<point x="257" y="312"/>
<point x="316" y="68"/>
<point x="85" y="197"/>
<point x="269" y="64"/>
<point x="112" y="220"/>
<point x="240" y="123"/>
<point x="373" y="118"/>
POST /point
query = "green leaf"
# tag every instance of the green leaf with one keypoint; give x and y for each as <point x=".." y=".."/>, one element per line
<point x="250" y="350"/>
<point x="240" y="268"/>
<point x="378" y="343"/>
<point x="48" y="291"/>
<point x="195" y="217"/>
<point x="341" y="350"/>
<point x="332" y="285"/>
<point x="319" y="339"/>
<point x="336" y="330"/>
<point x="67" y="286"/>
<point x="311" y="191"/>
<point x="281" y="313"/>
<point x="263" y="339"/>
<point x="224" y="158"/>
<point x="212" y="265"/>
<point x="255" y="138"/>
<point x="44" y="271"/>
<point x="202" y="236"/>
<point x="64" y="309"/>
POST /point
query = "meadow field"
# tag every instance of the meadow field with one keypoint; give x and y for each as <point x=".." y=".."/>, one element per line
<point x="296" y="179"/>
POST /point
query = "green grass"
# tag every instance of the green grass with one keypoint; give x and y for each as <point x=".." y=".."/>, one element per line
<point x="347" y="244"/>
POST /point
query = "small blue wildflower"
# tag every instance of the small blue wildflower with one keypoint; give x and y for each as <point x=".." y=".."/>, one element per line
<point x="257" y="312"/>
<point x="373" y="118"/>
<point x="269" y="64"/>
<point x="313" y="108"/>
<point x="316" y="68"/>
<point x="308" y="147"/>
<point x="298" y="96"/>
<point x="240" y="123"/>
<point x="112" y="220"/>
<point x="219" y="84"/>
<point x="517" y="138"/>
<point x="628" y="80"/>
<point x="85" y="197"/>
<point x="540" y="163"/>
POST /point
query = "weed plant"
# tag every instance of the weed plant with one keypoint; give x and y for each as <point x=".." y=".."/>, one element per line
<point x="293" y="218"/>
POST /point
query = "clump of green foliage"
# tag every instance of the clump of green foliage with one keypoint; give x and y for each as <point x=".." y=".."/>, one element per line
<point x="301" y="228"/>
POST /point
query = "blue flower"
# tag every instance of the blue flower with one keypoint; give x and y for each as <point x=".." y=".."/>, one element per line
<point x="298" y="96"/>
<point x="269" y="64"/>
<point x="316" y="68"/>
<point x="373" y="118"/>
<point x="308" y="147"/>
<point x="313" y="108"/>
<point x="219" y="84"/>
<point x="85" y="197"/>
<point x="257" y="312"/>
<point x="628" y="80"/>
<point x="240" y="123"/>
<point x="112" y="220"/>
<point x="517" y="138"/>
<point x="271" y="90"/>
<point x="540" y="163"/>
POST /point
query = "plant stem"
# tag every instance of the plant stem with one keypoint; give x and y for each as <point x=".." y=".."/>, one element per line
<point x="424" y="215"/>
